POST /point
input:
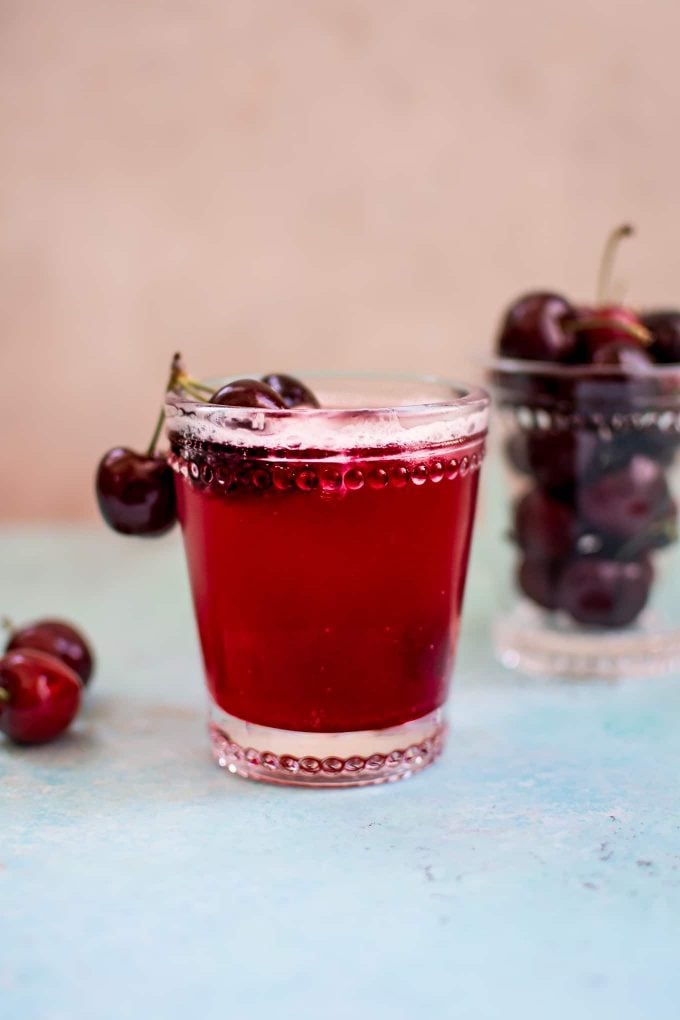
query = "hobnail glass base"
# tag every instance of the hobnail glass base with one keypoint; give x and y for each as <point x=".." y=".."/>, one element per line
<point x="294" y="758"/>
<point x="533" y="641"/>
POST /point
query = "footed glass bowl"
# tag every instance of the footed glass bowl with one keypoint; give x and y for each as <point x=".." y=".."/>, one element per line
<point x="591" y="457"/>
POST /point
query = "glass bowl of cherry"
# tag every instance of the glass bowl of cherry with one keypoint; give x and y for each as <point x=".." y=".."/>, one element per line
<point x="588" y="419"/>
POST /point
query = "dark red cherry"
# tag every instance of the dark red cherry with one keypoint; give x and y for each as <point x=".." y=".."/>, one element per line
<point x="627" y="501"/>
<point x="292" y="391"/>
<point x="136" y="493"/>
<point x="664" y="327"/>
<point x="538" y="579"/>
<point x="544" y="528"/>
<point x="604" y="593"/>
<point x="57" y="638"/>
<point x="610" y="324"/>
<point x="248" y="393"/>
<point x="39" y="696"/>
<point x="534" y="328"/>
<point x="628" y="355"/>
<point x="559" y="459"/>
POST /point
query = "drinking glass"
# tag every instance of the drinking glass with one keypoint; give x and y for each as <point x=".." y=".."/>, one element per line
<point x="327" y="552"/>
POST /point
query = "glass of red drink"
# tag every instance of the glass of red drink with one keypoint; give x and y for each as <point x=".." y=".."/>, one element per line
<point x="327" y="552"/>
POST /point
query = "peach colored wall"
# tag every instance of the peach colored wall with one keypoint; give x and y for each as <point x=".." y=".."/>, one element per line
<point x="280" y="183"/>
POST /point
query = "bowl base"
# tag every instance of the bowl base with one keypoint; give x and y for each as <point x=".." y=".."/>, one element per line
<point x="546" y="644"/>
<point x="295" y="758"/>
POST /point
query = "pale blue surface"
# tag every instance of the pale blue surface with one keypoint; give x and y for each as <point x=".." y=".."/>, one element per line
<point x="533" y="873"/>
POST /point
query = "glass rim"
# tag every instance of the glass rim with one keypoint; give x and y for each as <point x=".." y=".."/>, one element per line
<point x="465" y="398"/>
<point x="521" y="366"/>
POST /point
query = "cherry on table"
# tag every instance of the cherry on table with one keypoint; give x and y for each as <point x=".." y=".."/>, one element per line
<point x="292" y="391"/>
<point x="57" y="638"/>
<point x="39" y="696"/>
<point x="248" y="393"/>
<point x="604" y="592"/>
<point x="534" y="328"/>
<point x="136" y="493"/>
<point x="664" y="326"/>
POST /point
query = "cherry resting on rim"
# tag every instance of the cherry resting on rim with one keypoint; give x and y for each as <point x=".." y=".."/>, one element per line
<point x="39" y="696"/>
<point x="534" y="328"/>
<point x="610" y="323"/>
<point x="57" y="638"/>
<point x="272" y="392"/>
<point x="248" y="393"/>
<point x="136" y="492"/>
<point x="292" y="391"/>
<point x="546" y="327"/>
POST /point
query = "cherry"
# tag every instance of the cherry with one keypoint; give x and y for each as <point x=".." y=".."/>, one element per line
<point x="608" y="323"/>
<point x="611" y="324"/>
<point x="292" y="391"/>
<point x="39" y="696"/>
<point x="136" y="492"/>
<point x="248" y="393"/>
<point x="58" y="639"/>
<point x="603" y="592"/>
<point x="544" y="528"/>
<point x="560" y="459"/>
<point x="624" y="354"/>
<point x="538" y="578"/>
<point x="664" y="327"/>
<point x="627" y="501"/>
<point x="534" y="328"/>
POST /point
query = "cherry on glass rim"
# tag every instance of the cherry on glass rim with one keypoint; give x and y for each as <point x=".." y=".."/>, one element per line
<point x="248" y="393"/>
<point x="292" y="391"/>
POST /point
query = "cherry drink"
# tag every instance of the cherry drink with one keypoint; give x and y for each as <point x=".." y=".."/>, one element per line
<point x="327" y="552"/>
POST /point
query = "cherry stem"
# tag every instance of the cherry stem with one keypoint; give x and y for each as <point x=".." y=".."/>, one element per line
<point x="604" y="278"/>
<point x="6" y="624"/>
<point x="193" y="387"/>
<point x="185" y="379"/>
<point x="176" y="373"/>
<point x="178" y="377"/>
<point x="4" y="696"/>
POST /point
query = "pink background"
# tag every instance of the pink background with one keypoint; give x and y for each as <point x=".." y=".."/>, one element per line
<point x="268" y="184"/>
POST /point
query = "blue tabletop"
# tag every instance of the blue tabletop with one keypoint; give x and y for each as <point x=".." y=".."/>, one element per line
<point x="533" y="873"/>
